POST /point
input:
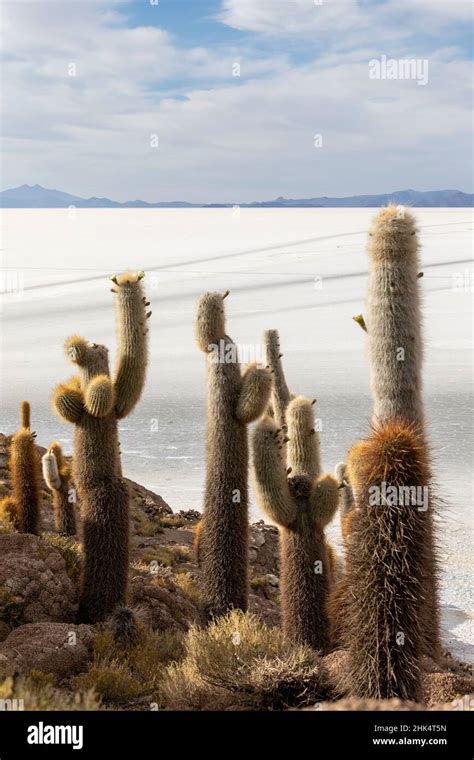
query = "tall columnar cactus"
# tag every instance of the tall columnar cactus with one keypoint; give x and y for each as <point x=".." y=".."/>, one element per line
<point x="382" y="612"/>
<point x="302" y="505"/>
<point x="57" y="474"/>
<point x="280" y="395"/>
<point x="23" y="507"/>
<point x="395" y="352"/>
<point x="394" y="321"/>
<point x="234" y="400"/>
<point x="93" y="402"/>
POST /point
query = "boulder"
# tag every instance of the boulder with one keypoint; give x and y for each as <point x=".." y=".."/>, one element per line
<point x="59" y="648"/>
<point x="34" y="584"/>
<point x="162" y="604"/>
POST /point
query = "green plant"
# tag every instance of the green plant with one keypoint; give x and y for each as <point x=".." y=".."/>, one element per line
<point x="302" y="505"/>
<point x="385" y="585"/>
<point x="395" y="345"/>
<point x="280" y="395"/>
<point x="57" y="475"/>
<point x="22" y="509"/>
<point x="70" y="550"/>
<point x="234" y="400"/>
<point x="94" y="403"/>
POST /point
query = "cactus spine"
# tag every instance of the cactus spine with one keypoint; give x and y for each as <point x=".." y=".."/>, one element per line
<point x="234" y="399"/>
<point x="387" y="603"/>
<point x="302" y="505"/>
<point x="395" y="351"/>
<point x="394" y="320"/>
<point x="381" y="614"/>
<point x="57" y="475"/>
<point x="23" y="508"/>
<point x="93" y="402"/>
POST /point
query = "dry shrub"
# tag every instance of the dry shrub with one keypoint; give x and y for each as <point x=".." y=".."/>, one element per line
<point x="121" y="674"/>
<point x="34" y="693"/>
<point x="238" y="661"/>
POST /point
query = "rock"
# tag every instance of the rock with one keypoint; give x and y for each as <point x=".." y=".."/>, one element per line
<point x="439" y="687"/>
<point x="34" y="584"/>
<point x="359" y="704"/>
<point x="162" y="603"/>
<point x="264" y="552"/>
<point x="60" y="648"/>
<point x="272" y="580"/>
<point x="267" y="610"/>
<point x="4" y="630"/>
<point x="152" y="504"/>
<point x="191" y="515"/>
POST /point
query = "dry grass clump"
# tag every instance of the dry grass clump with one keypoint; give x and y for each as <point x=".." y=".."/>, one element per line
<point x="173" y="521"/>
<point x="37" y="692"/>
<point x="167" y="555"/>
<point x="237" y="661"/>
<point x="189" y="586"/>
<point x="11" y="606"/>
<point x="69" y="549"/>
<point x="123" y="674"/>
<point x="143" y="525"/>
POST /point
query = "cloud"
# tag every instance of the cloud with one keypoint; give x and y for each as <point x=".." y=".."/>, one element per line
<point x="221" y="137"/>
<point x="332" y="18"/>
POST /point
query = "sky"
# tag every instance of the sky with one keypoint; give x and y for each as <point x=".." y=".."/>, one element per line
<point x="235" y="100"/>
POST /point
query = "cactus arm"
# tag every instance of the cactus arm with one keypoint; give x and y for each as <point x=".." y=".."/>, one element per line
<point x="346" y="494"/>
<point x="68" y="401"/>
<point x="209" y="325"/>
<point x="99" y="396"/>
<point x="131" y="317"/>
<point x="25" y="414"/>
<point x="324" y="499"/>
<point x="303" y="446"/>
<point x="254" y="393"/>
<point x="50" y="471"/>
<point x="280" y="396"/>
<point x="270" y="474"/>
<point x="75" y="349"/>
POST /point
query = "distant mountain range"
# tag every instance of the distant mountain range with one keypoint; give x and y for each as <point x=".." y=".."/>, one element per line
<point x="35" y="196"/>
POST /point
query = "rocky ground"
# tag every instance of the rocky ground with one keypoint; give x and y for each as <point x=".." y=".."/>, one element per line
<point x="38" y="596"/>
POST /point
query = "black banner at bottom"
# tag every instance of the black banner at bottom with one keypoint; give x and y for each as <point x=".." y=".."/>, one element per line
<point x="382" y="734"/>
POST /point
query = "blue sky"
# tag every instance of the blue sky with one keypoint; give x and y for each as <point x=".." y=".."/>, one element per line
<point x="222" y="100"/>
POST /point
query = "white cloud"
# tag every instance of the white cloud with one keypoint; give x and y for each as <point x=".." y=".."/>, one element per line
<point x="336" y="17"/>
<point x="224" y="138"/>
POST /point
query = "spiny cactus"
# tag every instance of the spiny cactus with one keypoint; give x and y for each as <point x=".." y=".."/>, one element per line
<point x="234" y="399"/>
<point x="23" y="507"/>
<point x="124" y="627"/>
<point x="93" y="402"/>
<point x="280" y="395"/>
<point x="381" y="614"/>
<point x="57" y="474"/>
<point x="302" y="505"/>
<point x="395" y="352"/>
<point x="347" y="510"/>
<point x="394" y="321"/>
